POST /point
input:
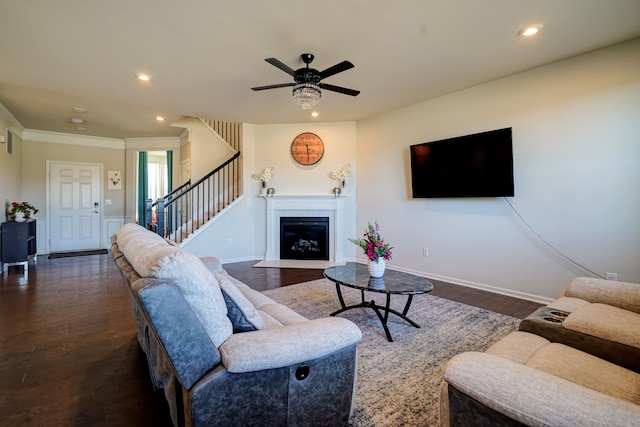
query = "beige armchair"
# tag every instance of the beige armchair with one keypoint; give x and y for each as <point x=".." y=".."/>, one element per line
<point x="600" y="317"/>
<point x="525" y="379"/>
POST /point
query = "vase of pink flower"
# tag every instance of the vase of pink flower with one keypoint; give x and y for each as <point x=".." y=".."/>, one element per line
<point x="377" y="251"/>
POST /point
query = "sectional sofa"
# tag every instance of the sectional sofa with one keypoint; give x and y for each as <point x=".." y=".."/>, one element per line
<point x="228" y="355"/>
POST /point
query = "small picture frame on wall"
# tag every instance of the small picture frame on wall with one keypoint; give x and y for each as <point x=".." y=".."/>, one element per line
<point x="9" y="140"/>
<point x="114" y="180"/>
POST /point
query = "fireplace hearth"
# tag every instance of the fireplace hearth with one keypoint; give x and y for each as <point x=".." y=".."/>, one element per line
<point x="304" y="238"/>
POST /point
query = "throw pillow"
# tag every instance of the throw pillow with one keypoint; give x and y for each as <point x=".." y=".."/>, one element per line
<point x="241" y="312"/>
<point x="151" y="256"/>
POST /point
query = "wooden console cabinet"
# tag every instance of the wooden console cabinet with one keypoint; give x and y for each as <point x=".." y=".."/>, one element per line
<point x="17" y="244"/>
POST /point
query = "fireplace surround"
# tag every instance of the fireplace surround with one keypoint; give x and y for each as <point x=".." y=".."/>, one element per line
<point x="330" y="207"/>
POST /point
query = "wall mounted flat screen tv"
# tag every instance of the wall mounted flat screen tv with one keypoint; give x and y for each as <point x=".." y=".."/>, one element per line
<point x="478" y="165"/>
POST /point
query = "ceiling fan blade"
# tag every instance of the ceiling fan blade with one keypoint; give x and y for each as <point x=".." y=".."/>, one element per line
<point x="339" y="89"/>
<point x="284" y="67"/>
<point x="273" y="86"/>
<point x="338" y="68"/>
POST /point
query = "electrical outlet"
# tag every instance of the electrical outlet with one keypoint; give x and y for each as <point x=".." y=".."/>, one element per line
<point x="229" y="242"/>
<point x="425" y="251"/>
<point x="611" y="276"/>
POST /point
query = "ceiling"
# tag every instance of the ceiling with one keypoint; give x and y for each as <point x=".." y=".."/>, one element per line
<point x="204" y="55"/>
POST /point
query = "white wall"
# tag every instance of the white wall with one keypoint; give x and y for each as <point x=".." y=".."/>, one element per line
<point x="211" y="149"/>
<point x="237" y="223"/>
<point x="269" y="145"/>
<point x="576" y="135"/>
<point x="10" y="164"/>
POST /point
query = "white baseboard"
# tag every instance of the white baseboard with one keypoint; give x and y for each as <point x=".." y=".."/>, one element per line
<point x="240" y="259"/>
<point x="481" y="286"/>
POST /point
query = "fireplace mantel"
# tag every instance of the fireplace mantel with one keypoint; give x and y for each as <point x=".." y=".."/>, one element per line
<point x="306" y="205"/>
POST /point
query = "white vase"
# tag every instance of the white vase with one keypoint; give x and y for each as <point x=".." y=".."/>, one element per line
<point x="19" y="216"/>
<point x="376" y="269"/>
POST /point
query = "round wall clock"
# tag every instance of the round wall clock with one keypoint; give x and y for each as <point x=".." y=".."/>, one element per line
<point x="307" y="148"/>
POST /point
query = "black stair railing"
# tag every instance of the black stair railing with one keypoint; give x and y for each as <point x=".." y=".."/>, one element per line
<point x="186" y="209"/>
<point x="151" y="207"/>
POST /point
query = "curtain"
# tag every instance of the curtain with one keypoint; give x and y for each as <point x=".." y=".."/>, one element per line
<point x="169" y="171"/>
<point x="169" y="216"/>
<point x="143" y="186"/>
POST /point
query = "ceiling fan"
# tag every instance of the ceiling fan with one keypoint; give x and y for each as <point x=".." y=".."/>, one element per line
<point x="307" y="81"/>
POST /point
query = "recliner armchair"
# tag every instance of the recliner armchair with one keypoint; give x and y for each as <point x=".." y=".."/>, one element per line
<point x="573" y="362"/>
<point x="600" y="317"/>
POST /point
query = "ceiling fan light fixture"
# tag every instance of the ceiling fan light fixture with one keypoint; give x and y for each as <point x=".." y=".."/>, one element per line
<point x="306" y="95"/>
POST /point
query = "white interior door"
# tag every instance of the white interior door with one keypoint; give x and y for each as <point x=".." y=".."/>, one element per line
<point x="74" y="206"/>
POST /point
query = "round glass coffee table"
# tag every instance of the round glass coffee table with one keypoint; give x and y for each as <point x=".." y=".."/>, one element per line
<point x="392" y="282"/>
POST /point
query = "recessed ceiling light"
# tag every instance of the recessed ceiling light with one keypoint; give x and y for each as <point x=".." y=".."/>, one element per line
<point x="143" y="77"/>
<point x="79" y="110"/>
<point x="81" y="129"/>
<point x="529" y="31"/>
<point x="159" y="118"/>
<point x="77" y="120"/>
<point x="315" y="114"/>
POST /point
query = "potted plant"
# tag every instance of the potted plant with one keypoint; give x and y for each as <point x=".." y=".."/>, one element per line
<point x="377" y="251"/>
<point x="21" y="211"/>
<point x="341" y="176"/>
<point x="265" y="176"/>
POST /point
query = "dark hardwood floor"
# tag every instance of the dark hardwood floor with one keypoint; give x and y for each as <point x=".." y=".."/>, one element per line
<point x="68" y="349"/>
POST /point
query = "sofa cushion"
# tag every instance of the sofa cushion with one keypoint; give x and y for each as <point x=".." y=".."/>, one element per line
<point x="241" y="312"/>
<point x="212" y="263"/>
<point x="588" y="371"/>
<point x="152" y="257"/>
<point x="281" y="314"/>
<point x="257" y="299"/>
<point x="607" y="322"/>
<point x="199" y="288"/>
<point x="517" y="346"/>
<point x="619" y="294"/>
<point x="132" y="231"/>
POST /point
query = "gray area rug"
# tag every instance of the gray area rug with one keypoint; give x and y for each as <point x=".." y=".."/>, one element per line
<point x="399" y="382"/>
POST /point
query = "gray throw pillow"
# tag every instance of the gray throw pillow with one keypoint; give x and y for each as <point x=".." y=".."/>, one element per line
<point x="241" y="312"/>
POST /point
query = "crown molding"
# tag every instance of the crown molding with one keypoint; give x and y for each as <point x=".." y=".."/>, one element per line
<point x="152" y="143"/>
<point x="72" y="139"/>
<point x="12" y="122"/>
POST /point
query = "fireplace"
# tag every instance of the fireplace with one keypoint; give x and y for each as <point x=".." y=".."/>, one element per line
<point x="304" y="238"/>
<point x="302" y="206"/>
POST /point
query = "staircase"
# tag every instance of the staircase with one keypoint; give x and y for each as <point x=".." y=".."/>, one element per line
<point x="189" y="207"/>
